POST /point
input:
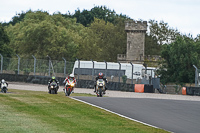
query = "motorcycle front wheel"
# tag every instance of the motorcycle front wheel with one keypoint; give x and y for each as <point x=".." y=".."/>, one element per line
<point x="100" y="92"/>
<point x="68" y="92"/>
<point x="53" y="92"/>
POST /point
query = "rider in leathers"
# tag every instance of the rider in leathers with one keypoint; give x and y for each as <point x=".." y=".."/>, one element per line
<point x="100" y="76"/>
<point x="2" y="82"/>
<point x="71" y="76"/>
<point x="53" y="79"/>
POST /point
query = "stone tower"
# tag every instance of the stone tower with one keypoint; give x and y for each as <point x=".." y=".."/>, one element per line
<point x="135" y="40"/>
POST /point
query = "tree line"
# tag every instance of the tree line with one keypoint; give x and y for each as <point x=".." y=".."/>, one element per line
<point x="96" y="34"/>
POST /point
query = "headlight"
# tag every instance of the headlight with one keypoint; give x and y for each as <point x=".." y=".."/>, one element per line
<point x="72" y="84"/>
<point x="51" y="86"/>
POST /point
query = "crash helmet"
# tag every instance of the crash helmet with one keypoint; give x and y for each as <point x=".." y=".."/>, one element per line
<point x="3" y="81"/>
<point x="71" y="75"/>
<point x="53" y="78"/>
<point x="100" y="74"/>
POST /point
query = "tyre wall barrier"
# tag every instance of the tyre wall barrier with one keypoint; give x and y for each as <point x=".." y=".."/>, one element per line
<point x="184" y="91"/>
<point x="148" y="88"/>
<point x="14" y="77"/>
<point x="194" y="91"/>
<point x="139" y="88"/>
<point x="144" y="88"/>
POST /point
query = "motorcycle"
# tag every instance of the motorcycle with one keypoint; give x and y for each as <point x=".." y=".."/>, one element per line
<point x="100" y="87"/>
<point x="69" y="86"/>
<point x="53" y="88"/>
<point x="4" y="88"/>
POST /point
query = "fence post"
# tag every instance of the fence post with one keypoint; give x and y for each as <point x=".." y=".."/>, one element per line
<point x="92" y="70"/>
<point x="78" y="68"/>
<point x="106" y="69"/>
<point x="132" y="73"/>
<point x="50" y="65"/>
<point x="196" y="76"/>
<point x="64" y="67"/>
<point x="18" y="62"/>
<point x="1" y="63"/>
<point x="34" y="63"/>
<point x="119" y="70"/>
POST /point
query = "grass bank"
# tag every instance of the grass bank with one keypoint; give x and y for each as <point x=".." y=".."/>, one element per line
<point x="39" y="112"/>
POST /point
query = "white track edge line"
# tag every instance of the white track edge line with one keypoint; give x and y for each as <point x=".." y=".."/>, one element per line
<point x="115" y="113"/>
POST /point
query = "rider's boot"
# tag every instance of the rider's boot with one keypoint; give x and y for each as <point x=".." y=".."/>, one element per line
<point x="94" y="89"/>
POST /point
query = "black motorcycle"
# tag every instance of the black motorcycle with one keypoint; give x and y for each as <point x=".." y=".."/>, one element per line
<point x="53" y="88"/>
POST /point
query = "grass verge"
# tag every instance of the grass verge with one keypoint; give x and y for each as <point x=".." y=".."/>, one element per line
<point x="31" y="111"/>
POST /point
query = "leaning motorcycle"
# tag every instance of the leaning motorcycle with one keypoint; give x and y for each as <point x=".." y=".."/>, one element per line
<point x="69" y="86"/>
<point x="4" y="88"/>
<point x="53" y="88"/>
<point x="100" y="87"/>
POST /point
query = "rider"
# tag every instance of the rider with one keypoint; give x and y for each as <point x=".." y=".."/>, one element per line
<point x="68" y="77"/>
<point x="3" y="81"/>
<point x="100" y="76"/>
<point x="71" y="76"/>
<point x="53" y="79"/>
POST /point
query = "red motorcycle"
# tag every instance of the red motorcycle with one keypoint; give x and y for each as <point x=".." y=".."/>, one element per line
<point x="69" y="87"/>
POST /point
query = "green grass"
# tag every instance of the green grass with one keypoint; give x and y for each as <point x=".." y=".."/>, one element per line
<point x="39" y="112"/>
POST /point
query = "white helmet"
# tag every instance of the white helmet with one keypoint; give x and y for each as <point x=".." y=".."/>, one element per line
<point x="2" y="80"/>
<point x="71" y="75"/>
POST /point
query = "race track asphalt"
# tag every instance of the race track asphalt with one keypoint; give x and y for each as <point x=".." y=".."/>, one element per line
<point x="177" y="116"/>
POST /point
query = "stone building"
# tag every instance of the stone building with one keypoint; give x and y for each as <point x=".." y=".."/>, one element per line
<point x="136" y="31"/>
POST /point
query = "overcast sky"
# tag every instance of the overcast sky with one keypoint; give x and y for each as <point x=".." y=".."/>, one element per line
<point x="181" y="14"/>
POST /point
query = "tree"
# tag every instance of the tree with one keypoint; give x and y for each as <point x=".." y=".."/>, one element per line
<point x="159" y="34"/>
<point x="86" y="17"/>
<point x="179" y="58"/>
<point x="109" y="39"/>
<point x="5" y="50"/>
<point x="162" y="32"/>
<point x="17" y="18"/>
<point x="41" y="34"/>
<point x="151" y="45"/>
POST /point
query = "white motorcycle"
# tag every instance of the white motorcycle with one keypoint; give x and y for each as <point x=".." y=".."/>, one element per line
<point x="4" y="87"/>
<point x="100" y="87"/>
